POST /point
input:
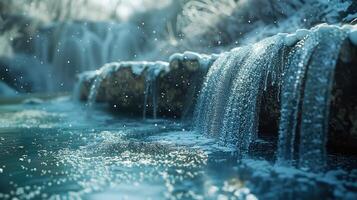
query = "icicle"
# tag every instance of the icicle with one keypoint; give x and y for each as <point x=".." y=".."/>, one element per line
<point x="146" y="93"/>
<point x="153" y="71"/>
<point x="154" y="98"/>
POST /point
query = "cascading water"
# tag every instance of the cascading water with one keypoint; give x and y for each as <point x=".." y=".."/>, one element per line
<point x="76" y="47"/>
<point x="229" y="102"/>
<point x="150" y="70"/>
<point x="240" y="123"/>
<point x="153" y="70"/>
<point x="290" y="96"/>
<point x="41" y="45"/>
<point x="307" y="91"/>
<point x="101" y="74"/>
<point x="76" y="95"/>
<point x="317" y="95"/>
<point x="228" y="106"/>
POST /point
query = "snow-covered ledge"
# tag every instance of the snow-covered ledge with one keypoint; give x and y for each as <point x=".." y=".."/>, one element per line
<point x="170" y="89"/>
<point x="163" y="87"/>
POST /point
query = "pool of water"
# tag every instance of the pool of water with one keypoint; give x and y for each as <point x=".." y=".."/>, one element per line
<point x="60" y="149"/>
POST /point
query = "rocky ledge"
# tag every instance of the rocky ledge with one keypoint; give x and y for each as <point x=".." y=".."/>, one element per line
<point x="167" y="89"/>
<point x="170" y="89"/>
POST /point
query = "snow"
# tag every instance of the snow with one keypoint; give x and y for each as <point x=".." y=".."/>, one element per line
<point x="353" y="36"/>
<point x="260" y="174"/>
<point x="153" y="69"/>
<point x="203" y="59"/>
<point x="290" y="40"/>
<point x="137" y="67"/>
<point x="301" y="33"/>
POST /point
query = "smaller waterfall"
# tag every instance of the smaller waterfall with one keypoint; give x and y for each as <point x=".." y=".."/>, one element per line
<point x="151" y="70"/>
<point x="76" y="95"/>
<point x="101" y="74"/>
<point x="150" y="89"/>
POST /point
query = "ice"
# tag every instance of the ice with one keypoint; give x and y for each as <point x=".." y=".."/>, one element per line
<point x="353" y="35"/>
<point x="290" y="40"/>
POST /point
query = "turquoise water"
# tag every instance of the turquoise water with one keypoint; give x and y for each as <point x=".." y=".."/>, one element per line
<point x="60" y="149"/>
<point x="63" y="150"/>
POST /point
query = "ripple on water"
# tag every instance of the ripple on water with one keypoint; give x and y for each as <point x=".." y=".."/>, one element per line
<point x="30" y="119"/>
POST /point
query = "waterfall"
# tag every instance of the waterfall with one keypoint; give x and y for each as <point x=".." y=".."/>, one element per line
<point x="290" y="96"/>
<point x="229" y="102"/>
<point x="74" y="47"/>
<point x="317" y="94"/>
<point x="228" y="105"/>
<point x="41" y="45"/>
<point x="306" y="90"/>
<point x="240" y="122"/>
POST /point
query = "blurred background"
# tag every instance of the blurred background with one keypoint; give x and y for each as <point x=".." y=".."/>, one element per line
<point x="44" y="44"/>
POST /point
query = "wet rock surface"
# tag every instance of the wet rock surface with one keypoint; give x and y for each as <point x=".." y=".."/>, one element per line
<point x="176" y="87"/>
<point x="343" y="111"/>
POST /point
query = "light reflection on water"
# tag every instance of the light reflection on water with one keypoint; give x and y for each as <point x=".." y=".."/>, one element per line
<point x="59" y="150"/>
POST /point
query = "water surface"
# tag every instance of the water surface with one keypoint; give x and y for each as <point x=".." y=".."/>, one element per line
<point x="60" y="149"/>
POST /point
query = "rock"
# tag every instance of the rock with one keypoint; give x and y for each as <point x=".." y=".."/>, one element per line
<point x="179" y="88"/>
<point x="176" y="85"/>
<point x="343" y="111"/>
